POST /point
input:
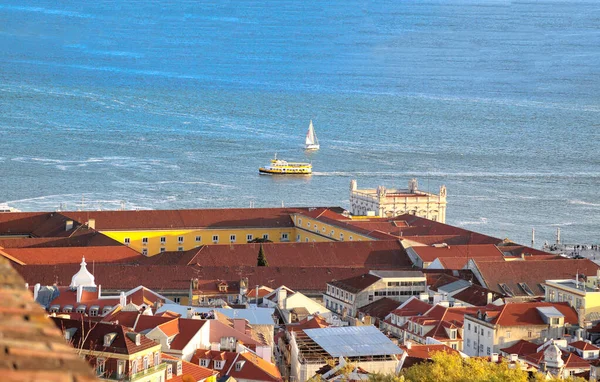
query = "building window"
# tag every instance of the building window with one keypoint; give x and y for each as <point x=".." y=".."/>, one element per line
<point x="204" y="362"/>
<point x="350" y="238"/>
<point x="100" y="366"/>
<point x="299" y="221"/>
<point x="156" y="358"/>
<point x="238" y="366"/>
<point x="163" y="239"/>
<point x="249" y="237"/>
<point x="266" y="236"/>
<point x="308" y="224"/>
<point x="127" y="240"/>
<point x="180" y="239"/>
<point x="215" y="238"/>
<point x="145" y="362"/>
<point x="198" y="239"/>
<point x="162" y="249"/>
<point x="469" y="326"/>
<point x="468" y="342"/>
<point x="145" y="251"/>
<point x="507" y="334"/>
<point x="120" y="368"/>
<point x="454" y="346"/>
<point x="332" y="233"/>
<point x="341" y="236"/>
<point x="529" y="334"/>
<point x="134" y="366"/>
<point x="370" y="297"/>
<point x="93" y="312"/>
<point x="323" y="229"/>
<point x="180" y="249"/>
<point x="232" y="238"/>
<point x="176" y="300"/>
<point x="284" y="236"/>
<point x="306" y="240"/>
<point x="489" y="351"/>
<point x="219" y="365"/>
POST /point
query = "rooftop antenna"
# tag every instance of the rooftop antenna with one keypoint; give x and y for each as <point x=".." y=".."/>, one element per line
<point x="533" y="237"/>
<point x="122" y="205"/>
<point x="82" y="202"/>
<point x="282" y="206"/>
<point x="558" y="235"/>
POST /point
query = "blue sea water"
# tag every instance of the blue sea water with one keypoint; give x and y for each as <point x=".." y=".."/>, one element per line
<point x="175" y="104"/>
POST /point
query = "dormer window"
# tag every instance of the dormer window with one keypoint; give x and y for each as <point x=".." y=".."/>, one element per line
<point x="144" y="240"/>
<point x="222" y="287"/>
<point x="238" y="365"/>
<point x="69" y="333"/>
<point x="127" y="241"/>
<point x="68" y="308"/>
<point x="179" y="367"/>
<point x="452" y="334"/>
<point x="106" y="310"/>
<point x="81" y="309"/>
<point x="180" y="239"/>
<point x="109" y="338"/>
<point x="219" y="365"/>
<point x="204" y="362"/>
<point x="94" y="310"/>
<point x="169" y="371"/>
<point x="54" y="308"/>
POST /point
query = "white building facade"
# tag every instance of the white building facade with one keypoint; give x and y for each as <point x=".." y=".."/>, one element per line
<point x="384" y="202"/>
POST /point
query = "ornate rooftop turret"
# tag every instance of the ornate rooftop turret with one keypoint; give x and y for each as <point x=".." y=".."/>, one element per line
<point x="83" y="277"/>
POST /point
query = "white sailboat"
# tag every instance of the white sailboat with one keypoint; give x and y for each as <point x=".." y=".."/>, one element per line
<point x="312" y="143"/>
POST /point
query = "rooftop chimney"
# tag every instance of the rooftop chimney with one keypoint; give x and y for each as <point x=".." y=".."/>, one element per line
<point x="514" y="357"/>
<point x="68" y="225"/>
<point x="92" y="223"/>
<point x="490" y="298"/>
<point x="190" y="312"/>
<point x="494" y="357"/>
<point x="281" y="297"/>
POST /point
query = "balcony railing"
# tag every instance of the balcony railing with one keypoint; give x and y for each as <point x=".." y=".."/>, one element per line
<point x="150" y="370"/>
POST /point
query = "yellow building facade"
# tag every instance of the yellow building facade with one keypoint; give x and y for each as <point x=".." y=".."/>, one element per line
<point x="150" y="242"/>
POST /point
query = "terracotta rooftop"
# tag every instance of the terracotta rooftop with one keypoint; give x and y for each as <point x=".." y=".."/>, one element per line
<point x="252" y="368"/>
<point x="429" y="254"/>
<point x="426" y="351"/>
<point x="89" y="335"/>
<point x="315" y="322"/>
<point x="364" y="254"/>
<point x="32" y="348"/>
<point x="82" y="237"/>
<point x="380" y="308"/>
<point x="514" y="274"/>
<point x="196" y="218"/>
<point x="522" y="348"/>
<point x="526" y="313"/>
<point x="70" y="255"/>
<point x="198" y="373"/>
<point x="357" y="283"/>
<point x="582" y="345"/>
<point x="412" y="307"/>
<point x="476" y="295"/>
<point x="123" y="277"/>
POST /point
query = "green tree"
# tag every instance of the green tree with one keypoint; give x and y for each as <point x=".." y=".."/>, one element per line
<point x="262" y="260"/>
<point x="446" y="367"/>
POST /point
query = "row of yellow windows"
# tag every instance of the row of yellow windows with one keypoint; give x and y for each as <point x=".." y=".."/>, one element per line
<point x="215" y="239"/>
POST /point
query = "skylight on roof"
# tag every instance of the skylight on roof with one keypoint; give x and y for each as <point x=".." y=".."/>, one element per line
<point x="507" y="290"/>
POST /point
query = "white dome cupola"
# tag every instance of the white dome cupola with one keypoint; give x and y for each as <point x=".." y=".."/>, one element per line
<point x="83" y="277"/>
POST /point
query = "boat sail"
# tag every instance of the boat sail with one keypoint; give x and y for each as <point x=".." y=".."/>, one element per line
<point x="312" y="143"/>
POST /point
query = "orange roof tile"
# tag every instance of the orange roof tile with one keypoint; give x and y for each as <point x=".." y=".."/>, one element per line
<point x="198" y="373"/>
<point x="72" y="255"/>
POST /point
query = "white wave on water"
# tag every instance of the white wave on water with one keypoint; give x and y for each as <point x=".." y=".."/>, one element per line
<point x="441" y="174"/>
<point x="583" y="203"/>
<point x="565" y="224"/>
<point x="47" y="11"/>
<point x="481" y="221"/>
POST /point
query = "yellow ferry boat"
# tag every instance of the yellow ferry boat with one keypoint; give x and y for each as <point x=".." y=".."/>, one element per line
<point x="281" y="167"/>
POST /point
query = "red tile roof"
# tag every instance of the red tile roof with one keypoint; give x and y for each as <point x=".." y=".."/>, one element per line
<point x="33" y="349"/>
<point x="412" y="307"/>
<point x="71" y="255"/>
<point x="476" y="295"/>
<point x="426" y="351"/>
<point x="146" y="323"/>
<point x="367" y="254"/>
<point x="429" y="254"/>
<point x="522" y="348"/>
<point x="357" y="283"/>
<point x="188" y="328"/>
<point x="532" y="273"/>
<point x="526" y="313"/>
<point x="90" y="336"/>
<point x="253" y="368"/>
<point x="198" y="373"/>
<point x="123" y="277"/>
<point x="197" y="218"/>
<point x="380" y="308"/>
<point x="582" y="345"/>
<point x="316" y="322"/>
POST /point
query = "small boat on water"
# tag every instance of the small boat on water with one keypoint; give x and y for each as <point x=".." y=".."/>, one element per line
<point x="312" y="143"/>
<point x="281" y="167"/>
<point x="6" y="208"/>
